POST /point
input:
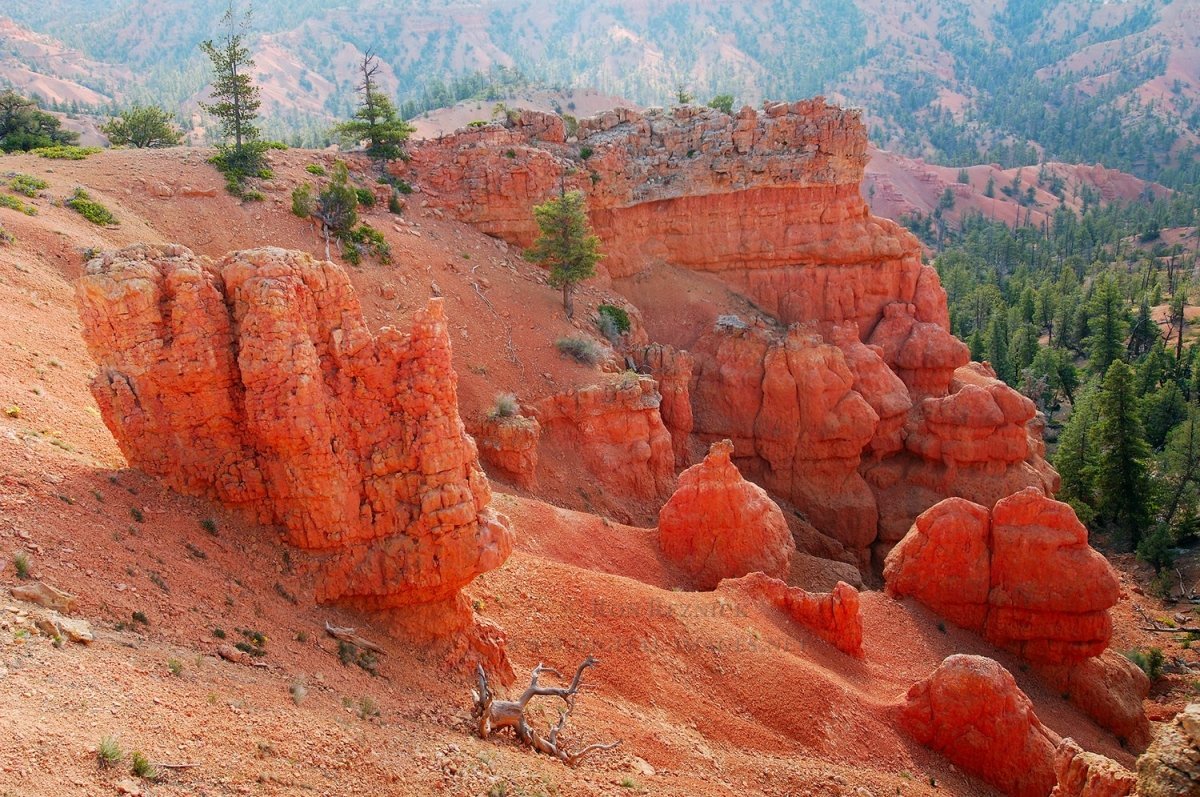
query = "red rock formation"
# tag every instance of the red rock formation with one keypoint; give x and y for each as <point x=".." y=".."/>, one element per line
<point x="1110" y="689"/>
<point x="1171" y="767"/>
<point x="834" y="616"/>
<point x="673" y="371"/>
<point x="768" y="202"/>
<point x="1083" y="774"/>
<point x="787" y="402"/>
<point x="1022" y="575"/>
<point x="972" y="711"/>
<point x="718" y="525"/>
<point x="617" y="431"/>
<point x="254" y="381"/>
<point x="509" y="446"/>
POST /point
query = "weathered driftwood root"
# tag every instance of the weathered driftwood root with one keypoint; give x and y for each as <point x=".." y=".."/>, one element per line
<point x="495" y="715"/>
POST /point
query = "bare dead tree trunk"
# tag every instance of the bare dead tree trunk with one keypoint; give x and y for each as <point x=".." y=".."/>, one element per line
<point x="495" y="715"/>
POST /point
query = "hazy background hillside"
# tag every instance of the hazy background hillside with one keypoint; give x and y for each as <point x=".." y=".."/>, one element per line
<point x="955" y="82"/>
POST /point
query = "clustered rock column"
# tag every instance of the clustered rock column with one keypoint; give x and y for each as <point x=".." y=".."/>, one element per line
<point x="254" y="381"/>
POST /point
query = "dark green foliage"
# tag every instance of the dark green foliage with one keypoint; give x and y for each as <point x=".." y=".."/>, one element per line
<point x="1121" y="477"/>
<point x="24" y="127"/>
<point x="1108" y="324"/>
<point x="219" y="633"/>
<point x="302" y="201"/>
<point x="613" y="321"/>
<point x="90" y="209"/>
<point x="723" y="103"/>
<point x="365" y="197"/>
<point x="1150" y="661"/>
<point x="244" y="163"/>
<point x="315" y="168"/>
<point x="586" y="152"/>
<point x="565" y="244"/>
<point x="143" y="126"/>
<point x="140" y="617"/>
<point x="376" y="123"/>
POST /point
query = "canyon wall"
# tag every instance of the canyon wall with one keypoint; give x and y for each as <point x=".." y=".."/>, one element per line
<point x="845" y="393"/>
<point x="254" y="381"/>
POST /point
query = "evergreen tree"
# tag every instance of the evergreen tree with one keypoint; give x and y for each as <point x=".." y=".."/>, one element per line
<point x="23" y="126"/>
<point x="1144" y="331"/>
<point x="376" y="122"/>
<point x="1162" y="410"/>
<point x="1076" y="454"/>
<point x="1121" y="477"/>
<point x="997" y="345"/>
<point x="723" y="103"/>
<point x="142" y="126"/>
<point x="1108" y="324"/>
<point x="235" y="97"/>
<point x="566" y="244"/>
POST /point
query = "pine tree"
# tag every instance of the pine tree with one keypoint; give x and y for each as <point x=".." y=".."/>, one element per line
<point x="1144" y="331"/>
<point x="235" y="97"/>
<point x="1108" y="324"/>
<point x="376" y="121"/>
<point x="1076" y="454"/>
<point x="997" y="345"/>
<point x="1121" y="477"/>
<point x="566" y="244"/>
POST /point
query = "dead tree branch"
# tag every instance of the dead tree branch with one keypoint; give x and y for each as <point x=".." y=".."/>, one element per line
<point x="494" y="715"/>
<point x="349" y="635"/>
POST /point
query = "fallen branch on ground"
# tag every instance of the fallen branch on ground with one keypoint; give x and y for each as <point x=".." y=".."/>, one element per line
<point x="496" y="715"/>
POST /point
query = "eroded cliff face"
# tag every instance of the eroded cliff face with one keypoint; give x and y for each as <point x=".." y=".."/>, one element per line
<point x="846" y="395"/>
<point x="255" y="382"/>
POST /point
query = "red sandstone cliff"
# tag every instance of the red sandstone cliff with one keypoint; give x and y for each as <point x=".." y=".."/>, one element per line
<point x="254" y="381"/>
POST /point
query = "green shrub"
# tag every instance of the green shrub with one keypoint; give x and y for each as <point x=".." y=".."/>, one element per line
<point x="613" y="321"/>
<point x="241" y="165"/>
<point x="365" y="239"/>
<point x="1150" y="661"/>
<point x="175" y="666"/>
<point x="302" y="201"/>
<point x="209" y="525"/>
<point x="582" y="350"/>
<point x="365" y="198"/>
<point x="505" y="406"/>
<point x="12" y="203"/>
<point x="109" y="752"/>
<point x="90" y="209"/>
<point x="394" y="204"/>
<point x="141" y="766"/>
<point x="137" y="514"/>
<point x="6" y="237"/>
<point x="586" y="152"/>
<point x="478" y="123"/>
<point x="315" y="168"/>
<point x="27" y="184"/>
<point x="68" y="152"/>
<point x="20" y="562"/>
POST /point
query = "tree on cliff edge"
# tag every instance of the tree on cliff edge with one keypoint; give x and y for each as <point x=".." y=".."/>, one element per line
<point x="376" y="122"/>
<point x="566" y="244"/>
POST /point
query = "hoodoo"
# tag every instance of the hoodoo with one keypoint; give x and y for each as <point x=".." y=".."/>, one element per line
<point x="254" y="381"/>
